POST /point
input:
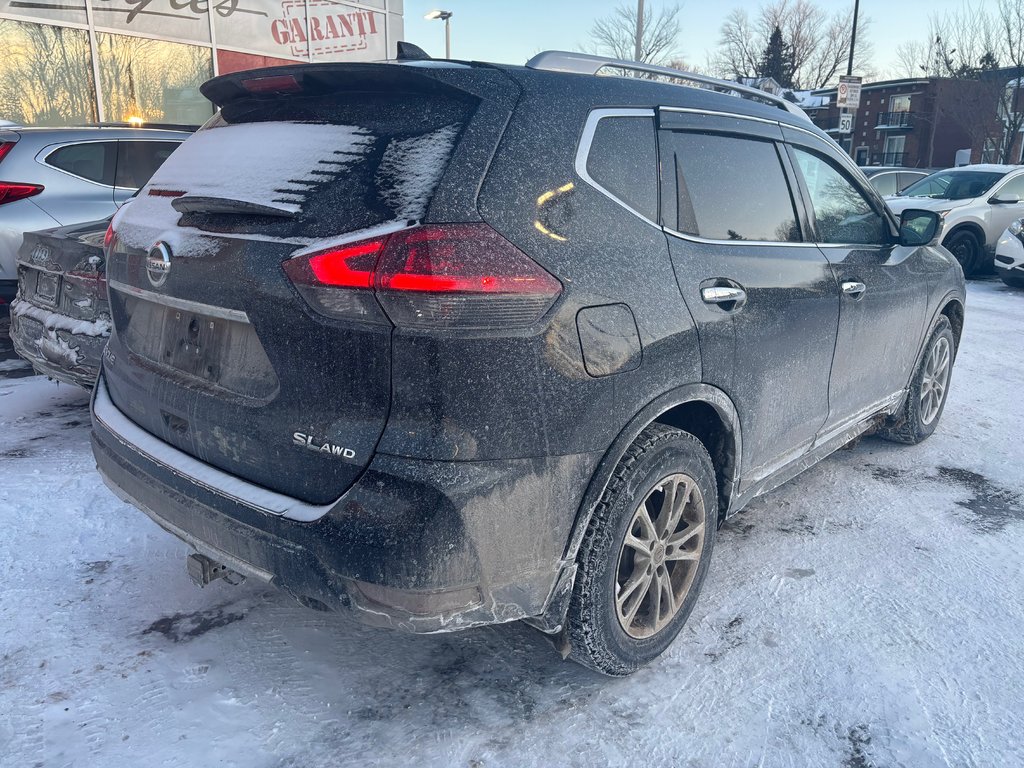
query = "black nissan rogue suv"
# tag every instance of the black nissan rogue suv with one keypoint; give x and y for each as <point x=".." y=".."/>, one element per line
<point x="444" y="344"/>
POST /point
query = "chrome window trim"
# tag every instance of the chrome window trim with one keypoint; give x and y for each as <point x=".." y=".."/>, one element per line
<point x="587" y="139"/>
<point x="174" y="302"/>
<point x="716" y="113"/>
<point x="583" y="152"/>
<point x="762" y="243"/>
<point x="49" y="149"/>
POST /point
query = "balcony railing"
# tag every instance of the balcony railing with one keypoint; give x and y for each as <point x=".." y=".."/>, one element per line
<point x="888" y="158"/>
<point x="904" y="120"/>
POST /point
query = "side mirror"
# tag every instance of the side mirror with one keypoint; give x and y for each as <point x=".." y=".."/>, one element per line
<point x="1004" y="199"/>
<point x="919" y="227"/>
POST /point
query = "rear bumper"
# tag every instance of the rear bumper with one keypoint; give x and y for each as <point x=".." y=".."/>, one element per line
<point x="421" y="546"/>
<point x="57" y="353"/>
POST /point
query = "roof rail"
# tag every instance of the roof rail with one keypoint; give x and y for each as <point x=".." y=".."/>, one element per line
<point x="587" y="64"/>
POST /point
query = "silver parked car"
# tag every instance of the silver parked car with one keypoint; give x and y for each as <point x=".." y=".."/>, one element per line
<point x="52" y="177"/>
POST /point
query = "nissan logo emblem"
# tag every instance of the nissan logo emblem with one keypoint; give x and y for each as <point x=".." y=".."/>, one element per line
<point x="158" y="264"/>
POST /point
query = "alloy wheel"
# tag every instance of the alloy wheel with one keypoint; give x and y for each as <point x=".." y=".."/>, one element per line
<point x="659" y="556"/>
<point x="935" y="380"/>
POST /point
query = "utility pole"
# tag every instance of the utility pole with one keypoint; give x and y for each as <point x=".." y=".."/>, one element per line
<point x="853" y="36"/>
<point x="638" y="48"/>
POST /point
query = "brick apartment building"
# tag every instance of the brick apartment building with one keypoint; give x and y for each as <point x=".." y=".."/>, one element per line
<point x="908" y="122"/>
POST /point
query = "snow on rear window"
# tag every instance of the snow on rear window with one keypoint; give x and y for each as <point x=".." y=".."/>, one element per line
<point x="410" y="170"/>
<point x="266" y="163"/>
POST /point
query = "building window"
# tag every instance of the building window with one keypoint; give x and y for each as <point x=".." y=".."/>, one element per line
<point x="893" y="153"/>
<point x="45" y="75"/>
<point x="899" y="104"/>
<point x="154" y="80"/>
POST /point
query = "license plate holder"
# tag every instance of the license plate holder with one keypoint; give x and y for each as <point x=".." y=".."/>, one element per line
<point x="47" y="287"/>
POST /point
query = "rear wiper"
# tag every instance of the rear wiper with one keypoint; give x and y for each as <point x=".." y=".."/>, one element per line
<point x="200" y="204"/>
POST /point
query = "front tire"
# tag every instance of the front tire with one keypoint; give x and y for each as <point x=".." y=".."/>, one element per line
<point x="926" y="399"/>
<point x="645" y="554"/>
<point x="966" y="250"/>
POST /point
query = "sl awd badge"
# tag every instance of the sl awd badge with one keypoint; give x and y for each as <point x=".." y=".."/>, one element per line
<point x="322" y="446"/>
<point x="158" y="264"/>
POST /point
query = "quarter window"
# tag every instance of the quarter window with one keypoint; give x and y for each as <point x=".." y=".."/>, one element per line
<point x="624" y="160"/>
<point x="731" y="188"/>
<point x="93" y="161"/>
<point x="842" y="214"/>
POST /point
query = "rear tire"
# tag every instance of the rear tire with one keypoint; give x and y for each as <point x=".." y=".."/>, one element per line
<point x="966" y="250"/>
<point x="645" y="554"/>
<point x="926" y="399"/>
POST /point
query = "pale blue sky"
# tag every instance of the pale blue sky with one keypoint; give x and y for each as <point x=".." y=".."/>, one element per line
<point x="513" y="30"/>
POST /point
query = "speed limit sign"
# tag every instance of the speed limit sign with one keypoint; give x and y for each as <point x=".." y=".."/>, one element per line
<point x="846" y="123"/>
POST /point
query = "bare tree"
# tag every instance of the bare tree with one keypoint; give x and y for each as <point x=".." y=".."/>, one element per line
<point x="45" y="75"/>
<point x="985" y="50"/>
<point x="819" y="41"/>
<point x="615" y="34"/>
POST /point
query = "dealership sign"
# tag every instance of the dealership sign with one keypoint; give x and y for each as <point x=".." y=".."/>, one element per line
<point x="330" y="31"/>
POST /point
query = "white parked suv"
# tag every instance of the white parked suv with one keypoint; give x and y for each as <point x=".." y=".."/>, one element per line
<point x="1010" y="255"/>
<point x="977" y="203"/>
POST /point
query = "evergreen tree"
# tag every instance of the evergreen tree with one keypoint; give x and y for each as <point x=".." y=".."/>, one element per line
<point x="777" y="60"/>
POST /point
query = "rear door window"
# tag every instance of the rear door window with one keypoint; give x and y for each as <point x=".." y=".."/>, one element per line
<point x="885" y="183"/>
<point x="137" y="161"/>
<point x="731" y="188"/>
<point x="94" y="160"/>
<point x="623" y="159"/>
<point x="842" y="213"/>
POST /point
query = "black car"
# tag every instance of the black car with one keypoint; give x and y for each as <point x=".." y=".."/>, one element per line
<point x="448" y="344"/>
<point x="60" y="319"/>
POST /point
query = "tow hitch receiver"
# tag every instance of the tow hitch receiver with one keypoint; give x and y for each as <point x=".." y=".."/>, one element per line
<point x="202" y="570"/>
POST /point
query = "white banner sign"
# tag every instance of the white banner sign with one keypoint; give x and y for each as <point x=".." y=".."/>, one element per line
<point x="334" y="31"/>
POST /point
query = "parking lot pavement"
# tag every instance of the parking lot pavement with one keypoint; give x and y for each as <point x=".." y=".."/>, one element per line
<point x="867" y="613"/>
<point x="11" y="366"/>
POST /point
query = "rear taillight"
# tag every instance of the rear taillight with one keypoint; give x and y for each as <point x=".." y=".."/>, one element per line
<point x="5" y="147"/>
<point x="11" y="191"/>
<point x="439" y="276"/>
<point x="108" y="237"/>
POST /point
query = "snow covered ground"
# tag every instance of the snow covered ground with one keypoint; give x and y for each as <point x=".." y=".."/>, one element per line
<point x="869" y="613"/>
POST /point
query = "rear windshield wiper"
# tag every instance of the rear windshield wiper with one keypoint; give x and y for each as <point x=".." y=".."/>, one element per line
<point x="200" y="204"/>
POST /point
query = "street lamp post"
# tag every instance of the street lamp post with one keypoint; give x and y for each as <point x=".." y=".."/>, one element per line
<point x="446" y="17"/>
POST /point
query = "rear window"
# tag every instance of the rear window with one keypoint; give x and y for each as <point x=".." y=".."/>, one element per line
<point x="730" y="188"/>
<point x="93" y="161"/>
<point x="624" y="160"/>
<point x="328" y="165"/>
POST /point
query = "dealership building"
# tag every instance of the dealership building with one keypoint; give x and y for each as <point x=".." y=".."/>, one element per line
<point x="79" y="62"/>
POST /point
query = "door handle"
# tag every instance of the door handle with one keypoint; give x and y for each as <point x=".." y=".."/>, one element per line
<point x="722" y="294"/>
<point x="853" y="288"/>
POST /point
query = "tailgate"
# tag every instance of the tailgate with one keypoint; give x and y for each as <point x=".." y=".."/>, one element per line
<point x="214" y="350"/>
